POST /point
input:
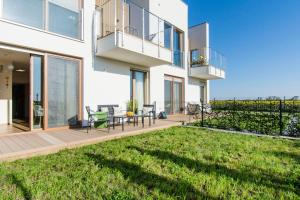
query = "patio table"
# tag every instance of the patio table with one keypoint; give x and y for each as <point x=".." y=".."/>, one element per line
<point x="135" y="119"/>
<point x="119" y="118"/>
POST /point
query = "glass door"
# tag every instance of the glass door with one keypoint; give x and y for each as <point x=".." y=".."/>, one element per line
<point x="168" y="96"/>
<point x="37" y="105"/>
<point x="138" y="88"/>
<point x="173" y="95"/>
<point x="177" y="97"/>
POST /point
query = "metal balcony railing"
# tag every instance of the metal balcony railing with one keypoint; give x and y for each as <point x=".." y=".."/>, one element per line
<point x="207" y="57"/>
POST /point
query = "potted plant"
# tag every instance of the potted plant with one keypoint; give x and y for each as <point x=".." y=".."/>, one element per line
<point x="132" y="107"/>
<point x="202" y="60"/>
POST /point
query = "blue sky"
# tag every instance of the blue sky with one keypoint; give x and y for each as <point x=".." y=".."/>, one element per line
<point x="261" y="40"/>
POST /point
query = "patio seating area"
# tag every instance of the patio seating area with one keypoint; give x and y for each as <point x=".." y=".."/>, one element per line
<point x="111" y="116"/>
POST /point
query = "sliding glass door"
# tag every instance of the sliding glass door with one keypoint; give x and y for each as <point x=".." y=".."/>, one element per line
<point x="174" y="91"/>
<point x="168" y="96"/>
<point x="177" y="97"/>
<point x="63" y="92"/>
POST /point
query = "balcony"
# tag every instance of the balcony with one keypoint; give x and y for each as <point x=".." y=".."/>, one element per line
<point x="129" y="33"/>
<point x="207" y="64"/>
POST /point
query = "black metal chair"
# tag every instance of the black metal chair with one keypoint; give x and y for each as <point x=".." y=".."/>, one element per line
<point x="148" y="111"/>
<point x="92" y="119"/>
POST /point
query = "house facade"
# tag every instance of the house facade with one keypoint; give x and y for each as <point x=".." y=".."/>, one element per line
<point x="62" y="55"/>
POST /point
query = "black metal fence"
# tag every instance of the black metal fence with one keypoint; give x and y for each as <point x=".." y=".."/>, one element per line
<point x="271" y="117"/>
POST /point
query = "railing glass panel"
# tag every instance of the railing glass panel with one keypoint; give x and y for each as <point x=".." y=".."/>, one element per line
<point x="207" y="56"/>
<point x="178" y="58"/>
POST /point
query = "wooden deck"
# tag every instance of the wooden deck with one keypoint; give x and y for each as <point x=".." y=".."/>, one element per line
<point x="27" y="144"/>
<point x="7" y="129"/>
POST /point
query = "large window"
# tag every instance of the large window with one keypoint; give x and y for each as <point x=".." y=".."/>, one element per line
<point x="177" y="48"/>
<point x="64" y="17"/>
<point x="63" y="92"/>
<point x="29" y="12"/>
<point x="58" y="16"/>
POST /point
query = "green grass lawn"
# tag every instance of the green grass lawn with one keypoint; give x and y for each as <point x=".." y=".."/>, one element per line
<point x="177" y="163"/>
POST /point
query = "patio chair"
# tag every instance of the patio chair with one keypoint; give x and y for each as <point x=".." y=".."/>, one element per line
<point x="92" y="119"/>
<point x="148" y="112"/>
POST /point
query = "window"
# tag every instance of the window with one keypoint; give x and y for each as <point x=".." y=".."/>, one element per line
<point x="29" y="12"/>
<point x="167" y="35"/>
<point x="58" y="16"/>
<point x="177" y="48"/>
<point x="138" y="87"/>
<point x="64" y="18"/>
<point x="63" y="92"/>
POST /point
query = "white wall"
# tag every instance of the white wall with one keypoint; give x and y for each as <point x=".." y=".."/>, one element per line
<point x="108" y="83"/>
<point x="174" y="11"/>
<point x="199" y="39"/>
<point x="199" y="36"/>
<point x="5" y="94"/>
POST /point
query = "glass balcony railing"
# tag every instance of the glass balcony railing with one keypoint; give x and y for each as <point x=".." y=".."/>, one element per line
<point x="178" y="58"/>
<point x="207" y="57"/>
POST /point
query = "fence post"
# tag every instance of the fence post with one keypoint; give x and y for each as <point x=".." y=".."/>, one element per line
<point x="233" y="113"/>
<point x="280" y="118"/>
<point x="202" y="114"/>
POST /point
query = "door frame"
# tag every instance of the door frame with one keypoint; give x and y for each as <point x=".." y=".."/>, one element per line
<point x="44" y="55"/>
<point x="45" y="88"/>
<point x="146" y="84"/>
<point x="173" y="79"/>
<point x="43" y="75"/>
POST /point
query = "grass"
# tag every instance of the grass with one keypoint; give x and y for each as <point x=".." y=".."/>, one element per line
<point x="176" y="163"/>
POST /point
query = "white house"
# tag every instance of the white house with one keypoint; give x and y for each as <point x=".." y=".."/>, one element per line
<point x="58" y="56"/>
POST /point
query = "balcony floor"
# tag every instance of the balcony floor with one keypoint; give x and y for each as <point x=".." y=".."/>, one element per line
<point x="207" y="72"/>
<point x="133" y="50"/>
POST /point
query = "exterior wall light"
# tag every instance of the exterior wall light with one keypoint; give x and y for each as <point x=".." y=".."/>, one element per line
<point x="11" y="67"/>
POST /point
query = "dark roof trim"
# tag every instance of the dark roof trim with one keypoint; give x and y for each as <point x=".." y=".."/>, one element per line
<point x="198" y="24"/>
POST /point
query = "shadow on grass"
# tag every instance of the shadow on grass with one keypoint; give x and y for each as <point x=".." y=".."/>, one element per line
<point x="19" y="184"/>
<point x="140" y="176"/>
<point x="297" y="144"/>
<point x="263" y="178"/>
<point x="283" y="154"/>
